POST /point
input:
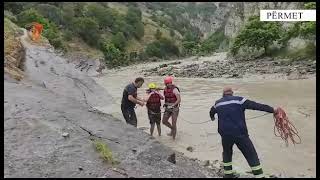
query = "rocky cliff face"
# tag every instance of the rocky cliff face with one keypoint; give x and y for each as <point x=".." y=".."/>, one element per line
<point x="231" y="16"/>
<point x="14" y="52"/>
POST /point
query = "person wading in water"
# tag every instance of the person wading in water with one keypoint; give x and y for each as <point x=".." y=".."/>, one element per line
<point x="153" y="100"/>
<point x="172" y="103"/>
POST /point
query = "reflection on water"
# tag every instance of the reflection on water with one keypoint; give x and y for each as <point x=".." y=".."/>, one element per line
<point x="198" y="95"/>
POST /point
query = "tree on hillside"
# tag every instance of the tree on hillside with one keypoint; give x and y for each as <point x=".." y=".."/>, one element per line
<point x="78" y="9"/>
<point x="189" y="47"/>
<point x="68" y="15"/>
<point x="213" y="42"/>
<point x="51" y="12"/>
<point x="138" y="30"/>
<point x="133" y="19"/>
<point x="88" y="30"/>
<point x="153" y="49"/>
<point x="31" y="15"/>
<point x="308" y="29"/>
<point x="158" y="34"/>
<point x="162" y="48"/>
<point x="121" y="25"/>
<point x="103" y="15"/>
<point x="119" y="41"/>
<point x="14" y="7"/>
<point x="133" y="15"/>
<point x="257" y="34"/>
<point x="190" y="36"/>
<point x="112" y="55"/>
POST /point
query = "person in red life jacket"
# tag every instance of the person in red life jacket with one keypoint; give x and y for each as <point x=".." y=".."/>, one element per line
<point x="153" y="101"/>
<point x="172" y="103"/>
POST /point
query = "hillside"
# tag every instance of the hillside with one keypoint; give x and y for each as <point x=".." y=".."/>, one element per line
<point x="131" y="32"/>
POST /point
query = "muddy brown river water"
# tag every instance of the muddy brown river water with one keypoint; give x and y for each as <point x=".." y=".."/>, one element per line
<point x="297" y="97"/>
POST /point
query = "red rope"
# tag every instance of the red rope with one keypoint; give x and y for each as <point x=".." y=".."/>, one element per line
<point x="286" y="130"/>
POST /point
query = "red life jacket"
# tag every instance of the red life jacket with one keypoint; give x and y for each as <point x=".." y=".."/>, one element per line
<point x="154" y="102"/>
<point x="169" y="96"/>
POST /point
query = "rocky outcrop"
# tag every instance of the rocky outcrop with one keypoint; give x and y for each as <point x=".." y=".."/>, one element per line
<point x="231" y="16"/>
<point x="14" y="52"/>
<point x="236" y="69"/>
<point x="13" y="62"/>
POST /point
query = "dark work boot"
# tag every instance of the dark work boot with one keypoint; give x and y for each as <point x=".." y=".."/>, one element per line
<point x="234" y="175"/>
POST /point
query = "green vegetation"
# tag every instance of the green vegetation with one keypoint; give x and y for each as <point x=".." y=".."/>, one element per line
<point x="306" y="30"/>
<point x="88" y="30"/>
<point x="113" y="56"/>
<point x="306" y="53"/>
<point x="50" y="29"/>
<point x="162" y="48"/>
<point x="126" y="35"/>
<point x="213" y="42"/>
<point x="105" y="152"/>
<point x="257" y="34"/>
<point x="193" y="46"/>
<point x="119" y="41"/>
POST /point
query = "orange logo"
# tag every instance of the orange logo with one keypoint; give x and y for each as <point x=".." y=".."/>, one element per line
<point x="36" y="31"/>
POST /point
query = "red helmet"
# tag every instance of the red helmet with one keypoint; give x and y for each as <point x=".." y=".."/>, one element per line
<point x="168" y="80"/>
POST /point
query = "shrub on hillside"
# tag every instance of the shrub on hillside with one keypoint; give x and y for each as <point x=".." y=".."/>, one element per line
<point x="50" y="30"/>
<point x="113" y="56"/>
<point x="102" y="15"/>
<point x="50" y="12"/>
<point x="162" y="48"/>
<point x="88" y="30"/>
<point x="119" y="41"/>
<point x="212" y="43"/>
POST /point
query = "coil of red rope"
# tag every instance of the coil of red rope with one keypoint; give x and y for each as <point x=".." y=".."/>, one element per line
<point x="286" y="130"/>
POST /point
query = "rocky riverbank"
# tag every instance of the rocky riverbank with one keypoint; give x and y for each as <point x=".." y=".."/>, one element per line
<point x="51" y="123"/>
<point x="225" y="68"/>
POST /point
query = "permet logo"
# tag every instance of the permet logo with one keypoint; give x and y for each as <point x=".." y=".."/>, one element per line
<point x="287" y="15"/>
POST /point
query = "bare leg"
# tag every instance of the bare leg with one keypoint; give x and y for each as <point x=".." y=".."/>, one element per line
<point x="174" y="123"/>
<point x="151" y="129"/>
<point x="165" y="119"/>
<point x="159" y="129"/>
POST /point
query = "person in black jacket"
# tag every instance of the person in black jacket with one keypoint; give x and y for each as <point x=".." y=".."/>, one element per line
<point x="233" y="129"/>
<point x="129" y="101"/>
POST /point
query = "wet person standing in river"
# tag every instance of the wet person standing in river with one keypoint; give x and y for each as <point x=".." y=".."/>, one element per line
<point x="153" y="99"/>
<point x="172" y="104"/>
<point x="129" y="101"/>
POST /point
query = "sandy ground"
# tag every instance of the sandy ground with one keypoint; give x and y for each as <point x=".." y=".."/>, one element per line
<point x="297" y="97"/>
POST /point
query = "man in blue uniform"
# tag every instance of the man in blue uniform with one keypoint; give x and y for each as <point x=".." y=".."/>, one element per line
<point x="233" y="130"/>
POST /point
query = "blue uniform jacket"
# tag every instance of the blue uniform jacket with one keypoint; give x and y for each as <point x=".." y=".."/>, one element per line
<point x="231" y="114"/>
